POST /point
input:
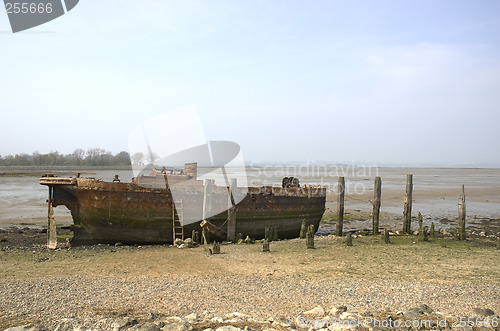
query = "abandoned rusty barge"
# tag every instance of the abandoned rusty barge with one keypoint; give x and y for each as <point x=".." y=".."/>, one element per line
<point x="160" y="207"/>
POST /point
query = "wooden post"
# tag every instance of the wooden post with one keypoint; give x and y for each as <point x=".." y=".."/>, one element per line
<point x="231" y="212"/>
<point x="303" y="230"/>
<point x="420" y="224"/>
<point x="340" y="206"/>
<point x="407" y="204"/>
<point x="387" y="237"/>
<point x="376" y="204"/>
<point x="265" y="246"/>
<point x="432" y="232"/>
<point x="348" y="239"/>
<point x="216" y="249"/>
<point x="51" y="230"/>
<point x="461" y="215"/>
<point x="195" y="235"/>
<point x="205" y="236"/>
<point x="268" y="233"/>
<point x="425" y="236"/>
<point x="310" y="236"/>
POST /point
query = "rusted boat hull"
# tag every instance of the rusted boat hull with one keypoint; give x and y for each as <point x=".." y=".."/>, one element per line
<point x="105" y="212"/>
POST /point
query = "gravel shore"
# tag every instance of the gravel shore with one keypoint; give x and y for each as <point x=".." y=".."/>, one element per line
<point x="89" y="300"/>
<point x="97" y="285"/>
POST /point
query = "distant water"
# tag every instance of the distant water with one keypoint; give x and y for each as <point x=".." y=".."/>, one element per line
<point x="436" y="191"/>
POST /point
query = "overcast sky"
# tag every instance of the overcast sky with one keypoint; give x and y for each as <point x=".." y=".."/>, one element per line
<point x="401" y="82"/>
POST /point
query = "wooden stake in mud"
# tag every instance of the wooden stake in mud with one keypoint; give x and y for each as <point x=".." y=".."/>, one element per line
<point x="195" y="235"/>
<point x="461" y="215"/>
<point x="432" y="233"/>
<point x="265" y="246"/>
<point x="376" y="204"/>
<point x="340" y="206"/>
<point x="387" y="237"/>
<point x="310" y="236"/>
<point x="51" y="231"/>
<point x="407" y="205"/>
<point x="420" y="223"/>
<point x="425" y="236"/>
<point x="303" y="230"/>
<point x="216" y="248"/>
<point x="348" y="239"/>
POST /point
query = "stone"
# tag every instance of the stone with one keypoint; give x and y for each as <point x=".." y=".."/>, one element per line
<point x="28" y="327"/>
<point x="64" y="326"/>
<point x="424" y="309"/>
<point x="123" y="323"/>
<point x="483" y="312"/>
<point x="147" y="326"/>
<point x="228" y="328"/>
<point x="189" y="243"/>
<point x="191" y="318"/>
<point x="348" y="316"/>
<point x="284" y="322"/>
<point x="336" y="311"/>
<point x="173" y="319"/>
<point x="316" y="311"/>
<point x="217" y="319"/>
<point x="239" y="315"/>
<point x="178" y="327"/>
<point x="81" y="328"/>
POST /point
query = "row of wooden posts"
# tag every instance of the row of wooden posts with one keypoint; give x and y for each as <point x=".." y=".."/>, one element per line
<point x="406" y="212"/>
<point x="307" y="232"/>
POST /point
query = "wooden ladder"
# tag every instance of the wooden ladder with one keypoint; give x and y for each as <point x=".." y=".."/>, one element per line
<point x="177" y="220"/>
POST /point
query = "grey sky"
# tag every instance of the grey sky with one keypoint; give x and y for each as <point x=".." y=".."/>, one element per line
<point x="327" y="81"/>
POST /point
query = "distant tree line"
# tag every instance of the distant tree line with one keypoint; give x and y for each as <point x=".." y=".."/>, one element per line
<point x="80" y="157"/>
